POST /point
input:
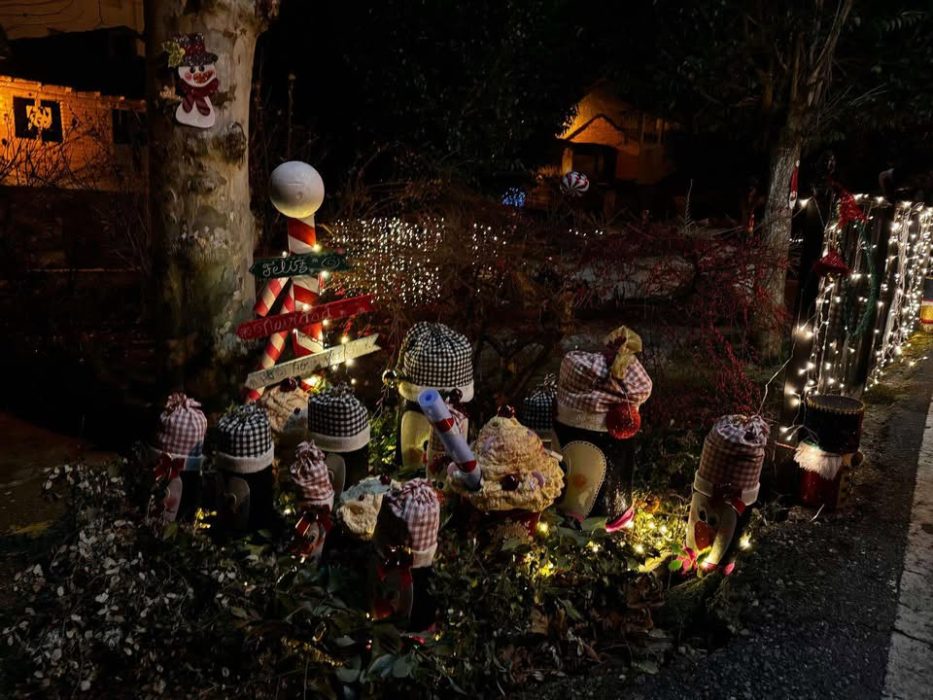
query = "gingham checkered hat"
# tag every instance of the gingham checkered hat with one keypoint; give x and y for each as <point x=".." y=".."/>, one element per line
<point x="310" y="476"/>
<point x="434" y="356"/>
<point x="586" y="389"/>
<point x="410" y="517"/>
<point x="732" y="457"/>
<point x="181" y="430"/>
<point x="538" y="407"/>
<point x="244" y="440"/>
<point x="337" y="421"/>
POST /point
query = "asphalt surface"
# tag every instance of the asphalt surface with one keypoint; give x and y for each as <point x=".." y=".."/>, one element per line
<point x="817" y="599"/>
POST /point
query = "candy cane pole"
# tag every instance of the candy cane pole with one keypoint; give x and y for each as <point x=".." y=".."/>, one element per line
<point x="297" y="191"/>
<point x="302" y="238"/>
<point x="435" y="410"/>
<point x="268" y="296"/>
<point x="275" y="344"/>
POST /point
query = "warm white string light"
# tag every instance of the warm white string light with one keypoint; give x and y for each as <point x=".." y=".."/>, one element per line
<point x="834" y="354"/>
<point x="913" y="226"/>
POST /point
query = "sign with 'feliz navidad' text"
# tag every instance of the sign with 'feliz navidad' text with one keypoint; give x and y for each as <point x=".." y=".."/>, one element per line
<point x="299" y="265"/>
<point x="270" y="325"/>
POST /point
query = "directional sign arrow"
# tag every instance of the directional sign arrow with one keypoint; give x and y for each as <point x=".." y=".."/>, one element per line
<point x="299" y="265"/>
<point x="306" y="365"/>
<point x="270" y="325"/>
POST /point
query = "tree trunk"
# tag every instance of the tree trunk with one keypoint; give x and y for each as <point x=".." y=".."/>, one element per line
<point x="776" y="227"/>
<point x="203" y="230"/>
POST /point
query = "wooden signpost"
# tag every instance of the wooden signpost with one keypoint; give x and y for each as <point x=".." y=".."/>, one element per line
<point x="299" y="265"/>
<point x="304" y="366"/>
<point x="265" y="327"/>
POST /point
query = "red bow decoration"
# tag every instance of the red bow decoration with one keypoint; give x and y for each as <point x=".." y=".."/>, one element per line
<point x="849" y="210"/>
<point x="168" y="467"/>
<point x="195" y="96"/>
<point x="831" y="263"/>
<point x="395" y="559"/>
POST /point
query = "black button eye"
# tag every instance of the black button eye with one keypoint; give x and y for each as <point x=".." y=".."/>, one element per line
<point x="713" y="521"/>
<point x="702" y="515"/>
<point x="201" y="68"/>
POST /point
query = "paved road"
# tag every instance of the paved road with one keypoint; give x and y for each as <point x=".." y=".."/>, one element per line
<point x="910" y="659"/>
<point x="819" y="599"/>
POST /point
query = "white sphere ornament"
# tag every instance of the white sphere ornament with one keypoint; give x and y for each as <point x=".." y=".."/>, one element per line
<point x="296" y="189"/>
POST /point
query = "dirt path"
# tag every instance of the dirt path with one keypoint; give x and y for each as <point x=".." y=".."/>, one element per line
<point x="27" y="451"/>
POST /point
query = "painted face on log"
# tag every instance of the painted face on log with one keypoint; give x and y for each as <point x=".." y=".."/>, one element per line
<point x="715" y="525"/>
<point x="414" y="434"/>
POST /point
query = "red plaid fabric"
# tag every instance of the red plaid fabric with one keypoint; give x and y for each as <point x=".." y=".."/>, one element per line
<point x="182" y="426"/>
<point x="410" y="516"/>
<point x="734" y="451"/>
<point x="310" y="476"/>
<point x="585" y="383"/>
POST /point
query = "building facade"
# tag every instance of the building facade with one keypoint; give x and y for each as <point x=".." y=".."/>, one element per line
<point x="53" y="136"/>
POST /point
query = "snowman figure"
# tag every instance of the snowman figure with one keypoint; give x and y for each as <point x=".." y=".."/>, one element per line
<point x="197" y="80"/>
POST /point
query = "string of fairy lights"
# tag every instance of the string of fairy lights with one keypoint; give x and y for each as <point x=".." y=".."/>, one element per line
<point x="403" y="260"/>
<point x="862" y="323"/>
<point x="913" y="224"/>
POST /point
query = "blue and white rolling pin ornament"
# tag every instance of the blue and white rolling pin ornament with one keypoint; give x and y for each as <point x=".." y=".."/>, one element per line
<point x="464" y="469"/>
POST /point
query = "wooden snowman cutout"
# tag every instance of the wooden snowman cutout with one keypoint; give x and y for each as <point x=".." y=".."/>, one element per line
<point x="828" y="449"/>
<point x="197" y="80"/>
<point x="405" y="542"/>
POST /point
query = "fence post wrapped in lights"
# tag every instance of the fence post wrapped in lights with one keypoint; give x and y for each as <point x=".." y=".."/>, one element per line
<point x="862" y="323"/>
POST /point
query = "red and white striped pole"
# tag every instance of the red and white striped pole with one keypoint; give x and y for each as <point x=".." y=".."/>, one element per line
<point x="297" y="191"/>
<point x="302" y="238"/>
<point x="269" y="294"/>
<point x="275" y="344"/>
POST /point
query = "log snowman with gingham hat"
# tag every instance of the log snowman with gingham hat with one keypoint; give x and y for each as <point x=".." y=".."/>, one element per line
<point x="432" y="356"/>
<point x="176" y="453"/>
<point x="243" y="456"/>
<point x="724" y="489"/>
<point x="338" y="423"/>
<point x="599" y="395"/>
